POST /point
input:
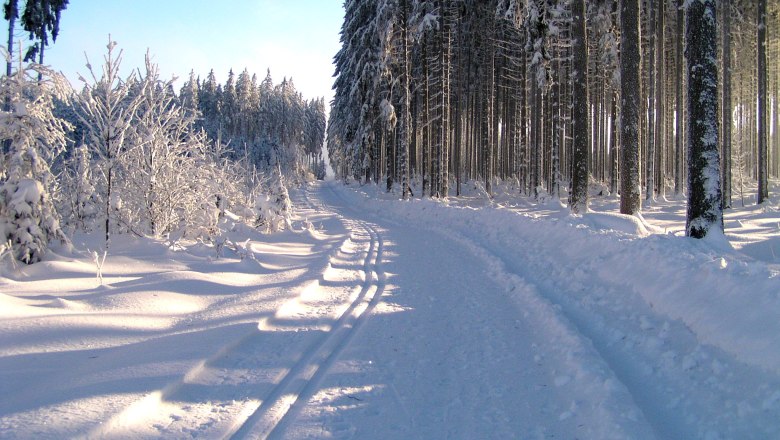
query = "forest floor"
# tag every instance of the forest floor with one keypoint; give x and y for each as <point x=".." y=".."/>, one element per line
<point x="381" y="319"/>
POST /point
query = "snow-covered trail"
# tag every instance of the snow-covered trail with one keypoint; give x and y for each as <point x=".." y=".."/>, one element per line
<point x="451" y="354"/>
<point x="389" y="319"/>
<point x="616" y="364"/>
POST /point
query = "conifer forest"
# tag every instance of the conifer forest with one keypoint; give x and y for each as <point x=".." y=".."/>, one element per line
<point x="390" y="219"/>
<point x="556" y="96"/>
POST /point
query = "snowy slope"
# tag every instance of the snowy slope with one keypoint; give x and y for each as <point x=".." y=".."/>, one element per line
<point x="419" y="319"/>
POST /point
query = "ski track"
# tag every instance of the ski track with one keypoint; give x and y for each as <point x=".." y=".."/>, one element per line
<point x="579" y="365"/>
<point x="300" y="383"/>
<point x="540" y="324"/>
<point x="268" y="409"/>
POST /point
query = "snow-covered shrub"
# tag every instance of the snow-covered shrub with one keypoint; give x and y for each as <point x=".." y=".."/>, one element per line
<point x="79" y="199"/>
<point x="274" y="209"/>
<point x="27" y="215"/>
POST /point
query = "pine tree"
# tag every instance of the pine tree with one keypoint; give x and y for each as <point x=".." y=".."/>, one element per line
<point x="726" y="107"/>
<point x="11" y="13"/>
<point x="704" y="192"/>
<point x="630" y="190"/>
<point x="27" y="215"/>
<point x="41" y="18"/>
<point x="189" y="94"/>
<point x="580" y="122"/>
<point x="763" y="154"/>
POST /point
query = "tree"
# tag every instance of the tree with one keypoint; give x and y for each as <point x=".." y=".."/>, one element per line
<point x="704" y="192"/>
<point x="190" y="95"/>
<point x="727" y="123"/>
<point x="679" y="156"/>
<point x="41" y="18"/>
<point x="406" y="117"/>
<point x="107" y="108"/>
<point x="660" y="104"/>
<point x="763" y="159"/>
<point x="27" y="215"/>
<point x="11" y="13"/>
<point x="580" y="122"/>
<point x="81" y="199"/>
<point x="630" y="89"/>
<point x="274" y="209"/>
<point x="156" y="192"/>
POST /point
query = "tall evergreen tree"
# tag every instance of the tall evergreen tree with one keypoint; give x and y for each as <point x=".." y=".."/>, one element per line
<point x="11" y="13"/>
<point x="28" y="218"/>
<point x="580" y="104"/>
<point x="630" y="190"/>
<point x="41" y="18"/>
<point x="704" y="193"/>
<point x="726" y="108"/>
<point x="761" y="109"/>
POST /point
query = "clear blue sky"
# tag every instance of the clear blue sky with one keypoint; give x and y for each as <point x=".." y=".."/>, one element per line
<point x="294" y="38"/>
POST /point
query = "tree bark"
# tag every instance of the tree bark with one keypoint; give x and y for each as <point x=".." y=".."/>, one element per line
<point x="726" y="109"/>
<point x="763" y="183"/>
<point x="679" y="158"/>
<point x="580" y="123"/>
<point x="630" y="92"/>
<point x="660" y="101"/>
<point x="704" y="191"/>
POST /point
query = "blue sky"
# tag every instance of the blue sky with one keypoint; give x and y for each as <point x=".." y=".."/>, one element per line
<point x="294" y="38"/>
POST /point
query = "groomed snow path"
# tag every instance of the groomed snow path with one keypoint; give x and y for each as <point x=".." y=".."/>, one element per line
<point x="404" y="320"/>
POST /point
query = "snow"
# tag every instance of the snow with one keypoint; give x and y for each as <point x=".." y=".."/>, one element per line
<point x="380" y="318"/>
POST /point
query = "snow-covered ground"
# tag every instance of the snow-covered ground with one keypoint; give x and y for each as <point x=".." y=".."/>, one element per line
<point x="382" y="319"/>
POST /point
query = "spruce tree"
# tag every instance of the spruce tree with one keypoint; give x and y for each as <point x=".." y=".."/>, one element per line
<point x="28" y="218"/>
<point x="41" y="18"/>
<point x="630" y="90"/>
<point x="580" y="123"/>
<point x="704" y="192"/>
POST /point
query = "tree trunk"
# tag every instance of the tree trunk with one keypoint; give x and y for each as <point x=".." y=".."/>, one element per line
<point x="580" y="123"/>
<point x="630" y="91"/>
<point x="726" y="111"/>
<point x="660" y="101"/>
<point x="763" y="183"/>
<point x="704" y="192"/>
<point x="651" y="116"/>
<point x="679" y="157"/>
<point x="613" y="147"/>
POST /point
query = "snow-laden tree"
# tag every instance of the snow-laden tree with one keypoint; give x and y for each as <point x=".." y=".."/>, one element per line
<point x="156" y="192"/>
<point x="704" y="193"/>
<point x="79" y="199"/>
<point x="274" y="209"/>
<point x="107" y="107"/>
<point x="27" y="215"/>
<point x="209" y="106"/>
<point x="189" y="95"/>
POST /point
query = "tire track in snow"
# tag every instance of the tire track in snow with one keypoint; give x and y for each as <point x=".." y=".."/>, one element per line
<point x="572" y="331"/>
<point x="591" y="371"/>
<point x="301" y="381"/>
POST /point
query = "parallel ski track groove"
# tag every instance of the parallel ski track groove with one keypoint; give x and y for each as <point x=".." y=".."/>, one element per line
<point x="302" y="380"/>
